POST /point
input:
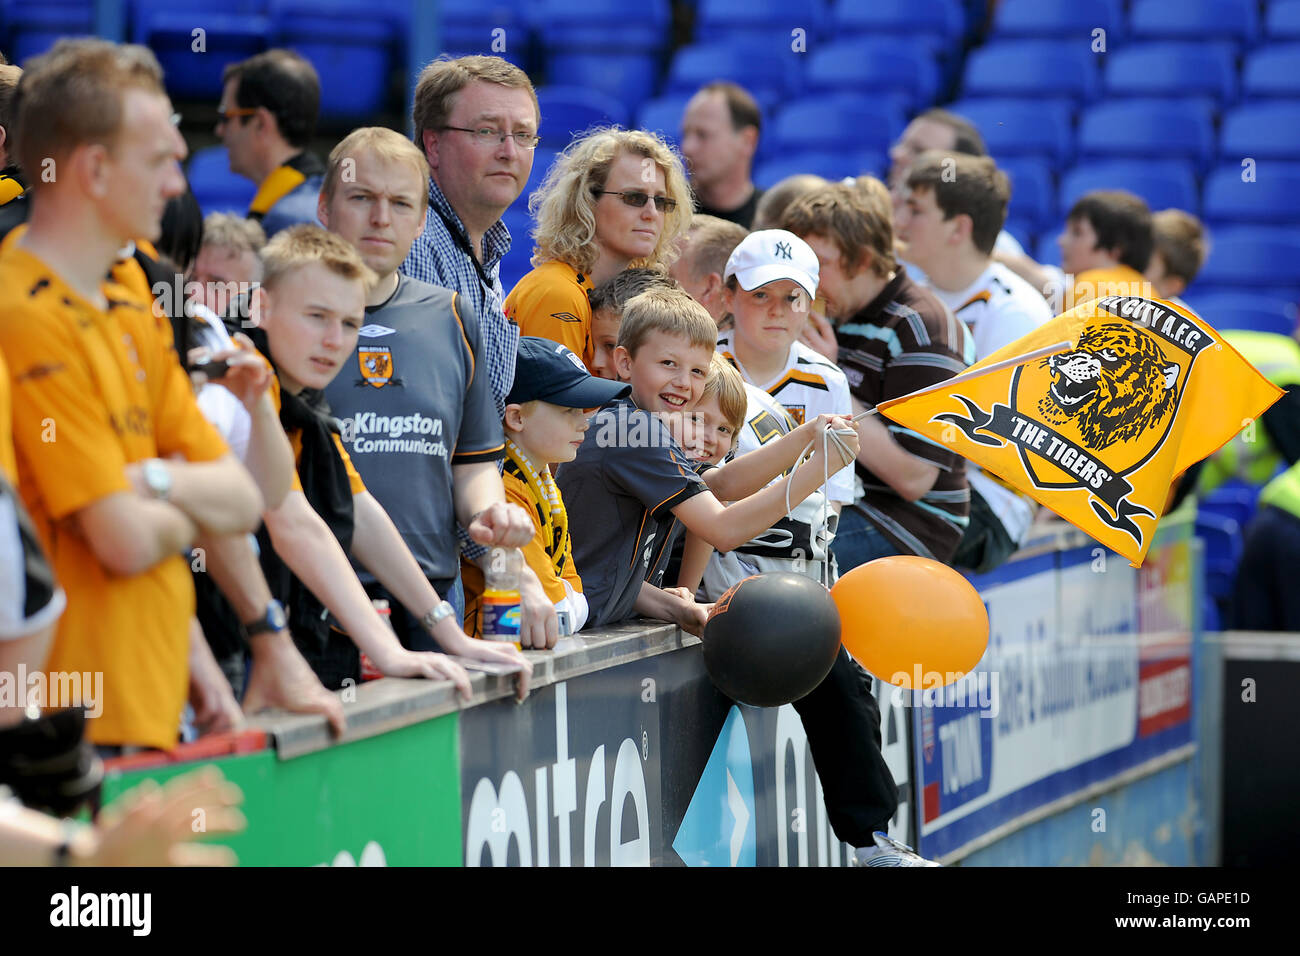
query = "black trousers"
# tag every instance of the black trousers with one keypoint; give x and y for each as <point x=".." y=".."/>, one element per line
<point x="1265" y="597"/>
<point x="842" y="722"/>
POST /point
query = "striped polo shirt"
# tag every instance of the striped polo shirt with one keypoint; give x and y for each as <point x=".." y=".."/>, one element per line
<point x="903" y="340"/>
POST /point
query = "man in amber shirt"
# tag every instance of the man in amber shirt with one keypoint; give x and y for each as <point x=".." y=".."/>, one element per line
<point x="116" y="465"/>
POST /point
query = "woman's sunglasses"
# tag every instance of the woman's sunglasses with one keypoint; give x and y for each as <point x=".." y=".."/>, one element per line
<point x="637" y="199"/>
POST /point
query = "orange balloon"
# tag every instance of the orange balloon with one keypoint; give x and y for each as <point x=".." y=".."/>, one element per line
<point x="907" y="619"/>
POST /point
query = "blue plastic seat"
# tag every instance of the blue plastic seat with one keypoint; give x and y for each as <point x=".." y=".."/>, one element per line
<point x="475" y="26"/>
<point x="1234" y="499"/>
<point x="1243" y="310"/>
<point x="1223" y="545"/>
<point x="1033" y="194"/>
<point x="1273" y="197"/>
<point x="568" y="111"/>
<point x="1052" y="68"/>
<point x="1172" y="69"/>
<point x="873" y="66"/>
<point x="1194" y="20"/>
<point x="1022" y="229"/>
<point x="233" y="31"/>
<point x="543" y="158"/>
<point x="771" y="72"/>
<point x="1261" y="131"/>
<point x="768" y="20"/>
<point x="1046" y="251"/>
<point x="1283" y="22"/>
<point x="1058" y="19"/>
<point x="215" y="186"/>
<point x="351" y="43"/>
<point x="833" y="165"/>
<point x="36" y="25"/>
<point x="1254" y="258"/>
<point x="663" y="115"/>
<point x="943" y="20"/>
<point x="828" y="123"/>
<point x="1021" y="127"/>
<point x="1164" y="184"/>
<point x="626" y="76"/>
<point x="599" y="26"/>
<point x="1272" y="71"/>
<point x="1158" y="129"/>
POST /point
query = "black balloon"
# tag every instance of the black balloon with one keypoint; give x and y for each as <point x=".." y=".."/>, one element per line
<point x="772" y="639"/>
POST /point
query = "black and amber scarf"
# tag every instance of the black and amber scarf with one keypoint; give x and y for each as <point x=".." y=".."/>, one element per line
<point x="282" y="181"/>
<point x="545" y="495"/>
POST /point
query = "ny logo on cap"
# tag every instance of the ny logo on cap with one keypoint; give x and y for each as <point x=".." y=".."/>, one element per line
<point x="783" y="251"/>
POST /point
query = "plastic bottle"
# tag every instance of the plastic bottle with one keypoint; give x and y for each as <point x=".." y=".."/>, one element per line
<point x="501" y="595"/>
<point x="368" y="669"/>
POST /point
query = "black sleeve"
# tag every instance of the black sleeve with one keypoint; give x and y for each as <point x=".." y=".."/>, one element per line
<point x="1282" y="422"/>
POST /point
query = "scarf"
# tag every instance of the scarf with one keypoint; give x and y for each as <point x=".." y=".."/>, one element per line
<point x="325" y="484"/>
<point x="545" y="495"/>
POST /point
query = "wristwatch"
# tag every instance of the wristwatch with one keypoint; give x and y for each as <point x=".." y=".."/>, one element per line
<point x="158" y="478"/>
<point x="442" y="611"/>
<point x="273" y="620"/>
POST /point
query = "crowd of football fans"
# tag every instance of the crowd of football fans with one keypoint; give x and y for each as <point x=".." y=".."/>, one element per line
<point x="248" y="462"/>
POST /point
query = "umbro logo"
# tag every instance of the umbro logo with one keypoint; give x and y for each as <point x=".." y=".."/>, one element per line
<point x="565" y="317"/>
<point x="375" y="331"/>
<point x="783" y="251"/>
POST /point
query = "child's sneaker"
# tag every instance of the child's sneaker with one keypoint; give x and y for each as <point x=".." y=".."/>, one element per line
<point x="889" y="852"/>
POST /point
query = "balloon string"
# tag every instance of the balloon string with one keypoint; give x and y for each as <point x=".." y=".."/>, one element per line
<point x="828" y="437"/>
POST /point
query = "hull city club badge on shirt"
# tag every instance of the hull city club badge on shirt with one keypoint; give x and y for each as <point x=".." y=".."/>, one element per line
<point x="376" y="362"/>
<point x="1098" y="412"/>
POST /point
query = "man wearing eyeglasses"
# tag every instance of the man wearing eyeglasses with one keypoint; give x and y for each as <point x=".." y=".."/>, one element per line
<point x="267" y="116"/>
<point x="476" y="120"/>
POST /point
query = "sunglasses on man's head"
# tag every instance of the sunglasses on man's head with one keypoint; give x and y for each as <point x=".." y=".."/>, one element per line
<point x="638" y="199"/>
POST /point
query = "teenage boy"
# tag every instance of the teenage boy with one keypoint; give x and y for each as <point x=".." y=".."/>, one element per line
<point x="893" y="337"/>
<point x="1105" y="249"/>
<point x="545" y="423"/>
<point x="630" y="473"/>
<point x="415" y="395"/>
<point x="703" y="255"/>
<point x="770" y="281"/>
<point x="953" y="207"/>
<point x="314" y="293"/>
<point x="1181" y="246"/>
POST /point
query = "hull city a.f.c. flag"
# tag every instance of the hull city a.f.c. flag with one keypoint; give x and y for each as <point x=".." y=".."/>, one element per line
<point x="1096" y="413"/>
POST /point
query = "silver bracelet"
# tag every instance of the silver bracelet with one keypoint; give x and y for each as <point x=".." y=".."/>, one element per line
<point x="440" y="612"/>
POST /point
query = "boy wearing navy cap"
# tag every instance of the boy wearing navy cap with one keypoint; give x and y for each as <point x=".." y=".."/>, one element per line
<point x="545" y="420"/>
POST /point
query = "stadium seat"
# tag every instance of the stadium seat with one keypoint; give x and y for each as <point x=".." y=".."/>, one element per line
<point x="1272" y="71"/>
<point x="771" y="72"/>
<point x="351" y="45"/>
<point x="873" y="66"/>
<point x="1028" y="68"/>
<point x="766" y="20"/>
<point x="1273" y="196"/>
<point x="944" y="20"/>
<point x="1046" y="251"/>
<point x="233" y="30"/>
<point x="663" y="115"/>
<point x="624" y="75"/>
<point x="543" y="158"/>
<point x="599" y="26"/>
<point x="35" y="25"/>
<point x="1234" y="499"/>
<point x="833" y="165"/>
<point x="1022" y="230"/>
<point x="1172" y="69"/>
<point x="1194" y="20"/>
<point x="1283" y="21"/>
<point x="1163" y="183"/>
<point x="1223" y="545"/>
<point x="215" y="186"/>
<point x="1021" y="127"/>
<point x="1058" y="19"/>
<point x="496" y="27"/>
<point x="827" y="123"/>
<point x="1243" y="310"/>
<point x="568" y="111"/>
<point x="1253" y="258"/>
<point x="1159" y="129"/>
<point x="1033" y="195"/>
<point x="1261" y="131"/>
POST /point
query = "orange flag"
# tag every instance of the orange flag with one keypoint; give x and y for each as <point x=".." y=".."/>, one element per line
<point x="1096" y="413"/>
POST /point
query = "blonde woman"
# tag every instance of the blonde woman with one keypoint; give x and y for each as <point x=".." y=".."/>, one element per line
<point x="614" y="199"/>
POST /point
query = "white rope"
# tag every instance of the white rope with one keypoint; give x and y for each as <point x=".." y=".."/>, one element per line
<point x="830" y="437"/>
